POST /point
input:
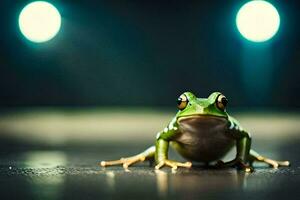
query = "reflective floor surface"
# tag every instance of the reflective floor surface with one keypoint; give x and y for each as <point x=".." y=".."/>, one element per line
<point x="72" y="173"/>
<point x="54" y="156"/>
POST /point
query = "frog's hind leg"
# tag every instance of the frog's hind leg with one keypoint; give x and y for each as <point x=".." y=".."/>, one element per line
<point x="254" y="156"/>
<point x="148" y="154"/>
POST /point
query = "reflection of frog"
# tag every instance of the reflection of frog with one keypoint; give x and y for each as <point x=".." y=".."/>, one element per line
<point x="201" y="131"/>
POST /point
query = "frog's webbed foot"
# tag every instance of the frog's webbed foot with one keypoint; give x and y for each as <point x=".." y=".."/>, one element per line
<point x="238" y="163"/>
<point x="148" y="154"/>
<point x="273" y="163"/>
<point x="173" y="164"/>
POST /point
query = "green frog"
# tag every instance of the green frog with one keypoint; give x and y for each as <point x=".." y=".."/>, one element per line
<point x="201" y="131"/>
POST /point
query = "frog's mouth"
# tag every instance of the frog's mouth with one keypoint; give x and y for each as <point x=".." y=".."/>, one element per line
<point x="201" y="117"/>
<point x="202" y="122"/>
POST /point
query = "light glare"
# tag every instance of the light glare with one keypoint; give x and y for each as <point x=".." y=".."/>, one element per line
<point x="39" y="21"/>
<point x="258" y="21"/>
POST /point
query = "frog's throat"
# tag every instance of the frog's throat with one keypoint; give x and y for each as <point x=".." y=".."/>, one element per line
<point x="203" y="138"/>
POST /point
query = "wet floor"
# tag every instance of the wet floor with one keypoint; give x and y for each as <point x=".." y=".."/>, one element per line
<point x="71" y="172"/>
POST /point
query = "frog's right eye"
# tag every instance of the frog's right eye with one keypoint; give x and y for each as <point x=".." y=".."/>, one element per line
<point x="221" y="102"/>
<point x="182" y="102"/>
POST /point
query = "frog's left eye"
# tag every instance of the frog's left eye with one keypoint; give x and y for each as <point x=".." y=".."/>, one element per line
<point x="221" y="102"/>
<point x="182" y="102"/>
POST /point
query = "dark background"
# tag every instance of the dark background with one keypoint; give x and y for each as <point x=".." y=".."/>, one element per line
<point x="123" y="54"/>
<point x="145" y="53"/>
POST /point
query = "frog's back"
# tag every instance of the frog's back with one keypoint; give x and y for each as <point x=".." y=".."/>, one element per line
<point x="203" y="138"/>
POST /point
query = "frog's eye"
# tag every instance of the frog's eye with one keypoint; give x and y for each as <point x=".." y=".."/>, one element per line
<point x="182" y="102"/>
<point x="221" y="102"/>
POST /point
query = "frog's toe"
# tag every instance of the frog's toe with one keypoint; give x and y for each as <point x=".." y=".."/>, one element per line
<point x="110" y="163"/>
<point x="126" y="162"/>
<point x="276" y="164"/>
<point x="160" y="165"/>
<point x="273" y="163"/>
<point x="284" y="163"/>
<point x="173" y="164"/>
<point x="132" y="160"/>
<point x="102" y="163"/>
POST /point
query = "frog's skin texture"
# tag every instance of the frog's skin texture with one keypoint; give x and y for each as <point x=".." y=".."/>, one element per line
<point x="201" y="131"/>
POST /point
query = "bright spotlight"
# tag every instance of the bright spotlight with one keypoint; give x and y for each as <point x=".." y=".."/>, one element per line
<point x="258" y="21"/>
<point x="39" y="21"/>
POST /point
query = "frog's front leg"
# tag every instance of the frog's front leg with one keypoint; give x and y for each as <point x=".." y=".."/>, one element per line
<point x="163" y="139"/>
<point x="127" y="161"/>
<point x="161" y="156"/>
<point x="241" y="161"/>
